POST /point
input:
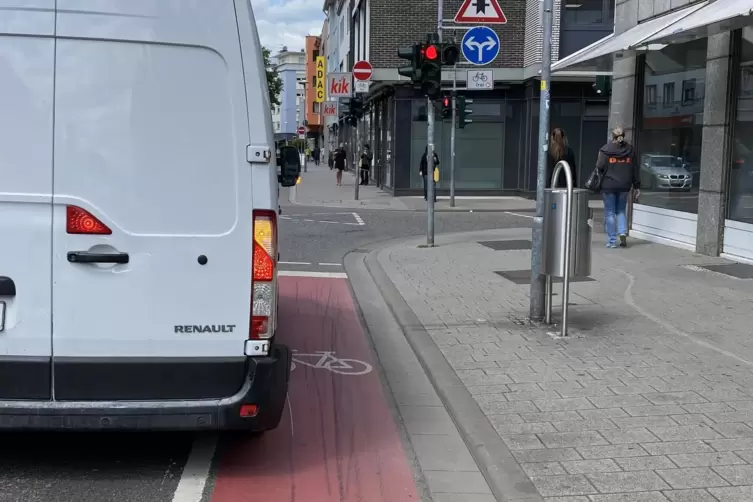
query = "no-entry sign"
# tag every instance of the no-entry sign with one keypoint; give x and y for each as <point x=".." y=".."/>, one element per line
<point x="362" y="70"/>
<point x="301" y="130"/>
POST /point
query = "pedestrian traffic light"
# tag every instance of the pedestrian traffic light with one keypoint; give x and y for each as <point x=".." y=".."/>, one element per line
<point x="356" y="107"/>
<point x="450" y="54"/>
<point x="446" y="107"/>
<point x="463" y="111"/>
<point x="431" y="70"/>
<point x="353" y="120"/>
<point x="412" y="71"/>
<point x="603" y="85"/>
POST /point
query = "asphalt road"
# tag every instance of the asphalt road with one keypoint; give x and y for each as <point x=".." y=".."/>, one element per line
<point x="137" y="467"/>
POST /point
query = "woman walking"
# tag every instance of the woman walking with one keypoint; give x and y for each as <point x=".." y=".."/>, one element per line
<point x="619" y="174"/>
<point x="559" y="150"/>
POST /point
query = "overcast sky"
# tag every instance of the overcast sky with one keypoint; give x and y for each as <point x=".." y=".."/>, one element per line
<point x="287" y="22"/>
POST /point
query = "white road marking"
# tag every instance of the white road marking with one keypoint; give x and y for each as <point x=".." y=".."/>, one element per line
<point x="306" y="218"/>
<point x="196" y="471"/>
<point x="305" y="273"/>
<point x="358" y="219"/>
<point x="521" y="215"/>
<point x="294" y="263"/>
<point x="331" y="264"/>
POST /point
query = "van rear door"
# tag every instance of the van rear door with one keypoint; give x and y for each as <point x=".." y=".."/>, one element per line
<point x="27" y="52"/>
<point x="152" y="227"/>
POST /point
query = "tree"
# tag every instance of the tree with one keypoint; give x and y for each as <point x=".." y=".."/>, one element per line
<point x="274" y="82"/>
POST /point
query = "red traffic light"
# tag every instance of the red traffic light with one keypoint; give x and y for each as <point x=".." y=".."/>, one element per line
<point x="431" y="52"/>
<point x="446" y="102"/>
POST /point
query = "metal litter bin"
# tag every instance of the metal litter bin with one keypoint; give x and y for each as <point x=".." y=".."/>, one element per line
<point x="555" y="224"/>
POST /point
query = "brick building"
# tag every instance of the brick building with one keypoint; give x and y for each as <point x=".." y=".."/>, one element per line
<point x="497" y="153"/>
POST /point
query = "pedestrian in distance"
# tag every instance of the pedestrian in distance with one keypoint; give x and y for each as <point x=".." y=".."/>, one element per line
<point x="315" y="153"/>
<point x="331" y="159"/>
<point x="364" y="164"/>
<point x="422" y="170"/>
<point x="619" y="173"/>
<point x="340" y="160"/>
<point x="560" y="150"/>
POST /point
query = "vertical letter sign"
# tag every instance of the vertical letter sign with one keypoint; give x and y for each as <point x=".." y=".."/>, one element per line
<point x="321" y="91"/>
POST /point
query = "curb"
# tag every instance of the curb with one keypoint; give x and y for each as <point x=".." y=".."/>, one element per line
<point x="505" y="477"/>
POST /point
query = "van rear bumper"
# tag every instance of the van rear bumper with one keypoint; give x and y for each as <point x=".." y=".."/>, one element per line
<point x="266" y="385"/>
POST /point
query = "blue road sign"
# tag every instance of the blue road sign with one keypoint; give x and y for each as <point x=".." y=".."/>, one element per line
<point x="480" y="45"/>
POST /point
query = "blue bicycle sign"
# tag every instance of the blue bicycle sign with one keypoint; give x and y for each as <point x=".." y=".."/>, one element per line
<point x="480" y="45"/>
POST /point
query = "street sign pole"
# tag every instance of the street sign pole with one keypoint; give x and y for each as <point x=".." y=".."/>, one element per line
<point x="452" y="136"/>
<point x="537" y="280"/>
<point x="357" y="155"/>
<point x="430" y="188"/>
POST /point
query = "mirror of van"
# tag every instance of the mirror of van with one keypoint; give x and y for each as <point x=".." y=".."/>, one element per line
<point x="289" y="161"/>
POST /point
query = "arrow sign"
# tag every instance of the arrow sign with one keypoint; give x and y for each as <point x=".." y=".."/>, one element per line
<point x="480" y="45"/>
<point x="480" y="11"/>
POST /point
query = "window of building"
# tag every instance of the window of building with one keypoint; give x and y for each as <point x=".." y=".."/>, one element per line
<point x="315" y="108"/>
<point x="313" y="81"/>
<point x="670" y="136"/>
<point x="740" y="207"/>
<point x="588" y="12"/>
<point x="651" y="95"/>
<point x="314" y="55"/>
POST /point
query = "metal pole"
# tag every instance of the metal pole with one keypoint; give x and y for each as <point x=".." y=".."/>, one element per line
<point x="567" y="244"/>
<point x="430" y="172"/>
<point x="357" y="151"/>
<point x="537" y="280"/>
<point x="452" y="137"/>
<point x="305" y="134"/>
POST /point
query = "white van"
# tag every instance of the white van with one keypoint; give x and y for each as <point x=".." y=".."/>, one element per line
<point x="138" y="218"/>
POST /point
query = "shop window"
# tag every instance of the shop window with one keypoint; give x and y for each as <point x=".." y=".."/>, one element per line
<point x="670" y="136"/>
<point x="588" y="12"/>
<point x="741" y="172"/>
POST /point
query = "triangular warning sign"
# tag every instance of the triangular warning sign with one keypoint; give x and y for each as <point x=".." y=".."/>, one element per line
<point x="481" y="11"/>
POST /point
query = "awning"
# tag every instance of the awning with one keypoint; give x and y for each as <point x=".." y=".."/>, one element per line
<point x="597" y="57"/>
<point x="715" y="17"/>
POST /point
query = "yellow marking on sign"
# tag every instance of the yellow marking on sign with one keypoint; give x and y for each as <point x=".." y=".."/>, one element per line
<point x="543" y="85"/>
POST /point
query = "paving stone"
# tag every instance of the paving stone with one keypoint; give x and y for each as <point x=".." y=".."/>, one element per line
<point x="578" y="498"/>
<point x="661" y="398"/>
<point x="733" y="430"/>
<point x="736" y="474"/>
<point x="546" y="455"/>
<point x="504" y="427"/>
<point x="649" y="421"/>
<point x="692" y="419"/>
<point x="693" y="477"/>
<point x="572" y="439"/>
<point x="630" y="497"/>
<point x="689" y="496"/>
<point x="685" y="433"/>
<point x="503" y="408"/>
<point x="612" y="451"/>
<point x="645" y="411"/>
<point x="578" y="403"/>
<point x="645" y="463"/>
<point x="706" y="459"/>
<point x="706" y="408"/>
<point x="544" y="469"/>
<point x="554" y="416"/>
<point x="734" y="494"/>
<point x="731" y="444"/>
<point x="677" y="447"/>
<point x="589" y="466"/>
<point x="456" y="482"/>
<point x="618" y="401"/>
<point x="549" y="486"/>
<point x="601" y="424"/>
<point x="442" y="453"/>
<point x="613" y="482"/>
<point x="629" y="436"/>
<point x="746" y="455"/>
<point x="605" y="413"/>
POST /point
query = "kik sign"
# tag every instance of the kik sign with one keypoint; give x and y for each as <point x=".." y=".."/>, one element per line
<point x="340" y="85"/>
<point x="320" y="91"/>
<point x="329" y="109"/>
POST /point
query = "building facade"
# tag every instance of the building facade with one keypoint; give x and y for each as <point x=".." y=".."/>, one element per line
<point x="497" y="152"/>
<point x="683" y="89"/>
<point x="291" y="66"/>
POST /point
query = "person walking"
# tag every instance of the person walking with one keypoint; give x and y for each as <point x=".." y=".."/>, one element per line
<point x="364" y="164"/>
<point x="315" y="153"/>
<point x="340" y="159"/>
<point x="620" y="173"/>
<point x="422" y="170"/>
<point x="559" y="150"/>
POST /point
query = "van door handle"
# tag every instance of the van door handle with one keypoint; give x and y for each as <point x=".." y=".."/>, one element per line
<point x="7" y="286"/>
<point x="88" y="257"/>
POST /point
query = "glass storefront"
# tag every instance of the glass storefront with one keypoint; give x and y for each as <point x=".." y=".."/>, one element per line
<point x="741" y="172"/>
<point x="670" y="126"/>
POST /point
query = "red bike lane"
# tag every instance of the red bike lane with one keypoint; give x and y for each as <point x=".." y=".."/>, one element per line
<point x="338" y="440"/>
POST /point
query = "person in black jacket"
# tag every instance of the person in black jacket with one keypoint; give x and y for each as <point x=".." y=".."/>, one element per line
<point x="559" y="150"/>
<point x="424" y="167"/>
<point x="620" y="173"/>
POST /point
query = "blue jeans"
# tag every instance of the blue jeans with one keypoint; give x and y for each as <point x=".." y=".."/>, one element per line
<point x="615" y="217"/>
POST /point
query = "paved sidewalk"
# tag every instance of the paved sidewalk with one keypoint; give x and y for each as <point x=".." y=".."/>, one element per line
<point x="318" y="188"/>
<point x="649" y="399"/>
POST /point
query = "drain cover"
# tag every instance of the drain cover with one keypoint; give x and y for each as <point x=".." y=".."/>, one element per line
<point x="736" y="270"/>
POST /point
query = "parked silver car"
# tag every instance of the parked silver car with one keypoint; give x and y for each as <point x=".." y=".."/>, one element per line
<point x="665" y="172"/>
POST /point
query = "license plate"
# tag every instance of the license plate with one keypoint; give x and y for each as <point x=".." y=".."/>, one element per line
<point x="2" y="316"/>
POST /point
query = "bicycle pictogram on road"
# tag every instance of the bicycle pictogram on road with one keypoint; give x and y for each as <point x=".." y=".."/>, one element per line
<point x="327" y="360"/>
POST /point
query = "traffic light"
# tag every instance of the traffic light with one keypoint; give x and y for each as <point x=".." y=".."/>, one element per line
<point x="463" y="111"/>
<point x="356" y="107"/>
<point x="450" y="54"/>
<point x="344" y="108"/>
<point x="431" y="70"/>
<point x="603" y="85"/>
<point x="412" y="71"/>
<point x="353" y="120"/>
<point x="446" y="107"/>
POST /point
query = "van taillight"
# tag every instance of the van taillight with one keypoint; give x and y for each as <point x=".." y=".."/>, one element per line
<point x="81" y="221"/>
<point x="264" y="275"/>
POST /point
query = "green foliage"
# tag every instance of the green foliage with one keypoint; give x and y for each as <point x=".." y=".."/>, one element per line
<point x="274" y="82"/>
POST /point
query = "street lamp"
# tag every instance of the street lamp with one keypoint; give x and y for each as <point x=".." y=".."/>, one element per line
<point x="303" y="83"/>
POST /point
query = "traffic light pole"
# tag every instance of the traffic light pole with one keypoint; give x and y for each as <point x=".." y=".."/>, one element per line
<point x="452" y="137"/>
<point x="430" y="185"/>
<point x="537" y="294"/>
<point x="357" y="157"/>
